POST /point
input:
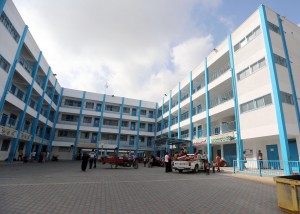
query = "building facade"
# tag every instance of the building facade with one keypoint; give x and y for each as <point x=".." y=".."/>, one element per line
<point x="242" y="98"/>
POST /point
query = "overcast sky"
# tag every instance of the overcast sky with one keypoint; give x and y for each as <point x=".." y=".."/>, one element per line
<point x="141" y="48"/>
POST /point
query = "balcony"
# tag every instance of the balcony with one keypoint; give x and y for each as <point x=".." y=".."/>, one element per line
<point x="224" y="97"/>
<point x="8" y="121"/>
<point x="223" y="128"/>
<point x="26" y="65"/>
<point x="216" y="74"/>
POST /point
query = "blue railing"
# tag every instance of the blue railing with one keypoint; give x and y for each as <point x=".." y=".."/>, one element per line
<point x="264" y="167"/>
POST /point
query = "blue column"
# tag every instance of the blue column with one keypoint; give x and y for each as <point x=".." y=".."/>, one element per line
<point x="2" y="4"/>
<point x="78" y="126"/>
<point x="138" y="131"/>
<point x="209" y="155"/>
<point x="276" y="91"/>
<point x="44" y="91"/>
<point x="240" y="146"/>
<point x="36" y="120"/>
<point x="286" y="53"/>
<point x="13" y="68"/>
<point x="120" y="125"/>
<point x="48" y="113"/>
<point x="20" y="124"/>
<point x="169" y="120"/>
<point x="52" y="133"/>
<point x="162" y="118"/>
<point x="179" y="112"/>
<point x="191" y="113"/>
<point x="100" y="124"/>
<point x="155" y="129"/>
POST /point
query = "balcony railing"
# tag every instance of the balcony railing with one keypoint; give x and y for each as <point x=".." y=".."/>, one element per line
<point x="224" y="97"/>
<point x="223" y="128"/>
<point x="215" y="74"/>
<point x="26" y="65"/>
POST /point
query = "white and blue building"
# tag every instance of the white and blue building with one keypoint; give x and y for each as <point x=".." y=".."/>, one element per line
<point x="243" y="97"/>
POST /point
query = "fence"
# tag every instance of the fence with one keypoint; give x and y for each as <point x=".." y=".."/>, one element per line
<point x="264" y="167"/>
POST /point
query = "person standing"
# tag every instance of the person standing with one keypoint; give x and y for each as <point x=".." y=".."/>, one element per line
<point x="218" y="162"/>
<point x="207" y="167"/>
<point x="260" y="159"/>
<point x="92" y="158"/>
<point x="245" y="160"/>
<point x="166" y="161"/>
<point x="169" y="162"/>
<point x="20" y="156"/>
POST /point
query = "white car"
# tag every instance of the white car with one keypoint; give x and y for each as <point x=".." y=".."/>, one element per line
<point x="188" y="163"/>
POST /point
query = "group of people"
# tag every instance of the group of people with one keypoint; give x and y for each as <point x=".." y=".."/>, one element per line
<point x="91" y="158"/>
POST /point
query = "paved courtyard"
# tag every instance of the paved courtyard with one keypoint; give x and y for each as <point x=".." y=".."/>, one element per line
<point x="61" y="187"/>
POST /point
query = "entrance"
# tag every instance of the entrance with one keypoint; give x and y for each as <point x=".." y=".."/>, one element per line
<point x="294" y="156"/>
<point x="273" y="157"/>
<point x="229" y="153"/>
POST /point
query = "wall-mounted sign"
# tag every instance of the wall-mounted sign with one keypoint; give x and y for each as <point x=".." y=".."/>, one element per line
<point x="38" y="140"/>
<point x="223" y="137"/>
<point x="9" y="132"/>
<point x="25" y="136"/>
<point x="199" y="141"/>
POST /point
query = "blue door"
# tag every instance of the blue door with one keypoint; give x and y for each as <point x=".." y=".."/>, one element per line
<point x="3" y="119"/>
<point x="294" y="156"/>
<point x="229" y="153"/>
<point x="96" y="122"/>
<point x="273" y="157"/>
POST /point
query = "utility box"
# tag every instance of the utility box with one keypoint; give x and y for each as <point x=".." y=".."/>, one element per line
<point x="288" y="193"/>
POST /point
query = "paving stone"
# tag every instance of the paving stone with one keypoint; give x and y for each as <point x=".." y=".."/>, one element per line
<point x="61" y="187"/>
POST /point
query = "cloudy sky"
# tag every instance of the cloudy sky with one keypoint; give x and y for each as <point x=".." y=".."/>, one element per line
<point x="141" y="48"/>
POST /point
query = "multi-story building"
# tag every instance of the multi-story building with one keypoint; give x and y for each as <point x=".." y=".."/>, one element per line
<point x="242" y="98"/>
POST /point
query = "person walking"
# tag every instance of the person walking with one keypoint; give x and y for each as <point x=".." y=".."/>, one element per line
<point x="218" y="162"/>
<point x="92" y="158"/>
<point x="20" y="156"/>
<point x="207" y="167"/>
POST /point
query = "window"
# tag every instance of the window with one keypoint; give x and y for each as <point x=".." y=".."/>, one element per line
<point x="64" y="149"/>
<point x="110" y="122"/>
<point x="143" y="112"/>
<point x="72" y="103"/>
<point x="12" y="119"/>
<point x="9" y="26"/>
<point x="273" y="27"/>
<point x="149" y="142"/>
<point x="253" y="34"/>
<point x="280" y="60"/>
<point x="89" y="105"/>
<point x="185" y="116"/>
<point x="20" y="94"/>
<point x="287" y="98"/>
<point x="32" y="104"/>
<point x="150" y="114"/>
<point x="26" y="126"/>
<point x="71" y="118"/>
<point x="5" y="145"/>
<point x="87" y="120"/>
<point x="106" y="136"/>
<point x="112" y="108"/>
<point x="142" y="125"/>
<point x="251" y="69"/>
<point x="125" y="123"/>
<point x="131" y="140"/>
<point x="123" y="137"/>
<point x="84" y="135"/>
<point x="98" y="107"/>
<point x="63" y="133"/>
<point x="4" y="64"/>
<point x="133" y="113"/>
<point x="257" y="103"/>
<point x="142" y="139"/>
<point x="126" y="110"/>
<point x="13" y="89"/>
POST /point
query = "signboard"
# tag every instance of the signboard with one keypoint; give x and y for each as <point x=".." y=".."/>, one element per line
<point x="9" y="132"/>
<point x="199" y="141"/>
<point x="223" y="137"/>
<point x="38" y="140"/>
<point x="86" y="145"/>
<point x="25" y="136"/>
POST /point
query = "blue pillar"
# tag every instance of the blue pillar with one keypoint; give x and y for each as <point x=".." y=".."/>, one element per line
<point x="44" y="91"/>
<point x="169" y="121"/>
<point x="276" y="91"/>
<point x="78" y="126"/>
<point x="12" y="68"/>
<point x="36" y="120"/>
<point x="191" y="113"/>
<point x="155" y="129"/>
<point x="100" y="124"/>
<point x="48" y="113"/>
<point x="179" y="112"/>
<point x="209" y="155"/>
<point x="2" y="4"/>
<point x="286" y="53"/>
<point x="138" y="131"/>
<point x="20" y="124"/>
<point x="240" y="146"/>
<point x="52" y="133"/>
<point x="120" y="125"/>
<point x="162" y="118"/>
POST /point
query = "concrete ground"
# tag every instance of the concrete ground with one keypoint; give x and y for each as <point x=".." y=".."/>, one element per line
<point x="61" y="187"/>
